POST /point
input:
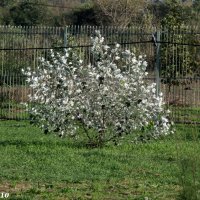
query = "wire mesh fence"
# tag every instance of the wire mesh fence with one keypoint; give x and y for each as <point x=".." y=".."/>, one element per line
<point x="173" y="57"/>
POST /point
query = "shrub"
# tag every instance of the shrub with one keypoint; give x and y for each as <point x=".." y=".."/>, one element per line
<point x="106" y="98"/>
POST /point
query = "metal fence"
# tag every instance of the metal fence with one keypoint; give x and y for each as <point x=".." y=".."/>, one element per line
<point x="173" y="56"/>
<point x="20" y="48"/>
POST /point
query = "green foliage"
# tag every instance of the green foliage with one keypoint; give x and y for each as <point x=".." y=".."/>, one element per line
<point x="7" y="3"/>
<point x="196" y="5"/>
<point x="84" y="16"/>
<point x="176" y="60"/>
<point x="176" y="14"/>
<point x="27" y="14"/>
<point x="87" y="12"/>
<point x="23" y="13"/>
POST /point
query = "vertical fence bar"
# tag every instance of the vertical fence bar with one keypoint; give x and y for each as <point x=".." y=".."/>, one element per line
<point x="65" y="36"/>
<point x="157" y="64"/>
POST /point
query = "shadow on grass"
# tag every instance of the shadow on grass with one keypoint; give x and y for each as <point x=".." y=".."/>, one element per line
<point x="48" y="143"/>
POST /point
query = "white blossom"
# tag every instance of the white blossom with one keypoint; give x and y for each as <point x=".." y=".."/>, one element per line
<point x="109" y="97"/>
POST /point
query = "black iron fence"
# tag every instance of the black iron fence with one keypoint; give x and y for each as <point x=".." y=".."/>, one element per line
<point x="173" y="56"/>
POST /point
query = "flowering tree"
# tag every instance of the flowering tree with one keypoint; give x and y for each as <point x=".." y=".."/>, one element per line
<point x="107" y="98"/>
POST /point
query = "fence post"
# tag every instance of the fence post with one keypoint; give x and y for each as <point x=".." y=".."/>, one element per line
<point x="65" y="37"/>
<point x="157" y="64"/>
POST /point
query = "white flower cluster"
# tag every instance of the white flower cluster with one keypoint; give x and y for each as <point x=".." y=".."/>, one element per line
<point x="107" y="98"/>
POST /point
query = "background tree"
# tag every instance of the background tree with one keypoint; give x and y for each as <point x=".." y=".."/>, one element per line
<point x="93" y="12"/>
<point x="196" y="5"/>
<point x="176" y="60"/>
<point x="119" y="12"/>
<point x="175" y="13"/>
<point x="29" y="14"/>
<point x="5" y="6"/>
<point x="81" y="14"/>
<point x="7" y="3"/>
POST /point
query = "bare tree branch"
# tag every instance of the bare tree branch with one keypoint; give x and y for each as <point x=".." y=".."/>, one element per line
<point x="120" y="12"/>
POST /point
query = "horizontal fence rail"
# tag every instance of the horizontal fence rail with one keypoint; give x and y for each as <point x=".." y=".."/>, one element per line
<point x="173" y="58"/>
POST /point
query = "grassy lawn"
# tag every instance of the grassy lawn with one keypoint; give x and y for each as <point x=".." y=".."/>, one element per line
<point x="38" y="166"/>
<point x="185" y="114"/>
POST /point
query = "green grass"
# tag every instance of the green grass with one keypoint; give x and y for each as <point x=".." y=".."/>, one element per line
<point x="13" y="110"/>
<point x="38" y="166"/>
<point x="185" y="114"/>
